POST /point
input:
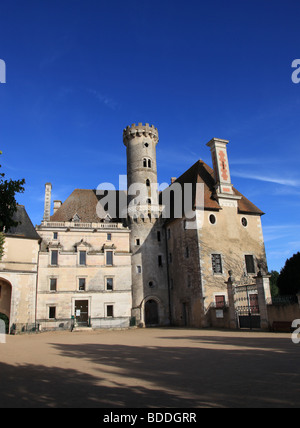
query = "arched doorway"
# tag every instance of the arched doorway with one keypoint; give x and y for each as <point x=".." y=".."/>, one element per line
<point x="151" y="313"/>
<point x="5" y="301"/>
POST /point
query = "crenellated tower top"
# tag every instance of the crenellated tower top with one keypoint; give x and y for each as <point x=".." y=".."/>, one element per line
<point x="140" y="130"/>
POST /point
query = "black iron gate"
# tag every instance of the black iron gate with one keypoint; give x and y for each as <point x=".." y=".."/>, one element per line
<point x="246" y="307"/>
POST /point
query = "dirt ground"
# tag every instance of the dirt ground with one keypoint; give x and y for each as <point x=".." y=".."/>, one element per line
<point x="150" y="368"/>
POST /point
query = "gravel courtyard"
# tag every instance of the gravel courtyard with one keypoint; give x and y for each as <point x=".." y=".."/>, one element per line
<point x="153" y="368"/>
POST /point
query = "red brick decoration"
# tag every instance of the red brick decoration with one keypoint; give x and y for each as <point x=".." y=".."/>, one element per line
<point x="223" y="167"/>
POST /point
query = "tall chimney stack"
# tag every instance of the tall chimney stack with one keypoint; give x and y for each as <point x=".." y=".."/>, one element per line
<point x="47" y="209"/>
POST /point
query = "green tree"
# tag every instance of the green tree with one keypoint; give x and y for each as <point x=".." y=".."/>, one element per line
<point x="289" y="278"/>
<point x="8" y="204"/>
<point x="273" y="283"/>
<point x="1" y="245"/>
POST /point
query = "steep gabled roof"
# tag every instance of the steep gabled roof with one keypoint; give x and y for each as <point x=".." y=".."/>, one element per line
<point x="25" y="228"/>
<point x="200" y="172"/>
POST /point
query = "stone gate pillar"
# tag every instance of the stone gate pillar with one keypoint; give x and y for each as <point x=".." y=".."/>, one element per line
<point x="230" y="291"/>
<point x="262" y="284"/>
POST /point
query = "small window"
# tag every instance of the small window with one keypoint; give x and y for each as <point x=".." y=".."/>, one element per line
<point x="108" y="238"/>
<point x="82" y="258"/>
<point x="151" y="284"/>
<point x="110" y="311"/>
<point x="148" y="183"/>
<point x="53" y="284"/>
<point x="55" y="236"/>
<point x="220" y="302"/>
<point x="250" y="265"/>
<point x="145" y="163"/>
<point x="109" y="284"/>
<point x="212" y="219"/>
<point x="187" y="252"/>
<point x="217" y="263"/>
<point x="54" y="258"/>
<point x="159" y="261"/>
<point x="244" y="222"/>
<point x="149" y="201"/>
<point x="52" y="312"/>
<point x="137" y="242"/>
<point x="82" y="284"/>
<point x="158" y="236"/>
<point x="146" y="145"/>
<point x="149" y="163"/>
<point x="109" y="258"/>
<point x="139" y="269"/>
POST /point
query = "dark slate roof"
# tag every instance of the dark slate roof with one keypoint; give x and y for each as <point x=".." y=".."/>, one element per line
<point x="25" y="228"/>
<point x="200" y="172"/>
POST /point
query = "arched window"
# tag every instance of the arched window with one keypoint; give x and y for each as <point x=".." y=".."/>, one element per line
<point x="149" y="163"/>
<point x="148" y="183"/>
<point x="145" y="163"/>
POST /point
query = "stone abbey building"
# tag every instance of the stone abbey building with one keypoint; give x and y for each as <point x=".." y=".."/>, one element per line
<point x="138" y="262"/>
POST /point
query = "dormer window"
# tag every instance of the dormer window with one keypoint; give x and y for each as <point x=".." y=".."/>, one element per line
<point x="76" y="218"/>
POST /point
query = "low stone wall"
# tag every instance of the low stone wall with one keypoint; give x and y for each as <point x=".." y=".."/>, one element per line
<point x="218" y="318"/>
<point x="280" y="317"/>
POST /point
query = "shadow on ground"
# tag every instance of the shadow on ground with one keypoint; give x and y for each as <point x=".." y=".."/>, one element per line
<point x="247" y="372"/>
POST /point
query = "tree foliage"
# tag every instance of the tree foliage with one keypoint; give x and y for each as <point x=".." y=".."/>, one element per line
<point x="8" y="203"/>
<point x="274" y="275"/>
<point x="1" y="245"/>
<point x="289" y="278"/>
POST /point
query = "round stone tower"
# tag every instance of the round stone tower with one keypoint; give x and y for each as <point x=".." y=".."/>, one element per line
<point x="149" y="263"/>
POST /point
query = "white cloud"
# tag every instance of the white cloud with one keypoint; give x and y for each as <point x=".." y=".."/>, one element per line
<point x="269" y="179"/>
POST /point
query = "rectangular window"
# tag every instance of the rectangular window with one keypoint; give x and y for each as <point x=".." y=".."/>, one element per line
<point x="254" y="303"/>
<point x="53" y="284"/>
<point x="217" y="263"/>
<point x="139" y="269"/>
<point x="250" y="266"/>
<point x="160" y="261"/>
<point x="108" y="238"/>
<point x="220" y="302"/>
<point x="82" y="283"/>
<point x="55" y="236"/>
<point x="137" y="242"/>
<point x="158" y="236"/>
<point x="109" y="284"/>
<point x="82" y="258"/>
<point x="110" y="311"/>
<point x="187" y="252"/>
<point x="52" y="312"/>
<point x="109" y="258"/>
<point x="54" y="258"/>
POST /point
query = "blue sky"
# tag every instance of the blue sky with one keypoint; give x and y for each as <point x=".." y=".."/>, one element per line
<point x="78" y="72"/>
